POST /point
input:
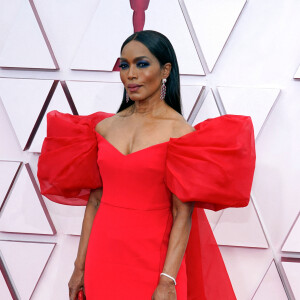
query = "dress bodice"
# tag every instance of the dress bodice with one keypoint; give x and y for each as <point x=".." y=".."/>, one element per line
<point x="139" y="173"/>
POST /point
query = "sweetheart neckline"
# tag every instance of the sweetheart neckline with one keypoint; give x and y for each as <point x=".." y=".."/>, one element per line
<point x="170" y="139"/>
<point x="149" y="147"/>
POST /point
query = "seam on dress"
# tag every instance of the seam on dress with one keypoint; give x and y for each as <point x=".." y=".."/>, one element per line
<point x="163" y="208"/>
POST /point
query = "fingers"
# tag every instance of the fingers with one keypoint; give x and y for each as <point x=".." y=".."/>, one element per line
<point x="72" y="294"/>
<point x="75" y="294"/>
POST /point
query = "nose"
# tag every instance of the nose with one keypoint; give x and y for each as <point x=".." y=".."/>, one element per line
<point x="131" y="72"/>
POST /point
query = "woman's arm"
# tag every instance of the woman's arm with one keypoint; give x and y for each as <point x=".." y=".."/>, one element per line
<point x="89" y="215"/>
<point x="182" y="222"/>
<point x="76" y="281"/>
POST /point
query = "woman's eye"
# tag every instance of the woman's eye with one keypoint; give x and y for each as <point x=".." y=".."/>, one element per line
<point x="123" y="66"/>
<point x="142" y="64"/>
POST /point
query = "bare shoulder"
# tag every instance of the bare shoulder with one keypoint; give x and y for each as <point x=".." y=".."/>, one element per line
<point x="180" y="126"/>
<point x="100" y="127"/>
<point x="104" y="124"/>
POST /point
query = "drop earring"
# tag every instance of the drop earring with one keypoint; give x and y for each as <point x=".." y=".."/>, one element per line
<point x="163" y="89"/>
<point x="127" y="97"/>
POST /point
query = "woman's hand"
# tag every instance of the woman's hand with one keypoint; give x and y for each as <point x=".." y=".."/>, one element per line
<point x="165" y="290"/>
<point x="76" y="283"/>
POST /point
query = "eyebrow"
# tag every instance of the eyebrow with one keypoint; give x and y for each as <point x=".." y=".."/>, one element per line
<point x="137" y="58"/>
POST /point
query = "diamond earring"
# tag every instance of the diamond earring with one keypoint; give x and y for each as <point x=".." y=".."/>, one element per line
<point x="163" y="89"/>
<point x="127" y="97"/>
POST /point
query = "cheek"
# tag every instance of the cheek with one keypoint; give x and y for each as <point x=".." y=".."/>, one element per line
<point x="150" y="78"/>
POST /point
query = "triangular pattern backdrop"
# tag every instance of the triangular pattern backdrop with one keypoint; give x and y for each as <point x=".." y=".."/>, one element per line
<point x="230" y="62"/>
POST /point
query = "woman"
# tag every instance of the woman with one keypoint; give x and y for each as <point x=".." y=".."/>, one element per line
<point x="145" y="176"/>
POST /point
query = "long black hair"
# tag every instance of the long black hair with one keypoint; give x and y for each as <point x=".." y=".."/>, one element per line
<point x="160" y="46"/>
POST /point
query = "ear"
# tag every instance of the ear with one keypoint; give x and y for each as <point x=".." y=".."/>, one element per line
<point x="166" y="69"/>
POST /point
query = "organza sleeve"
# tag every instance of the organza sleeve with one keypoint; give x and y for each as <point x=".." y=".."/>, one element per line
<point x="213" y="165"/>
<point x="67" y="166"/>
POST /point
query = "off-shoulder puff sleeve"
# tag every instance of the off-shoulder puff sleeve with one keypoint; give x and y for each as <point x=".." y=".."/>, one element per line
<point x="67" y="166"/>
<point x="213" y="165"/>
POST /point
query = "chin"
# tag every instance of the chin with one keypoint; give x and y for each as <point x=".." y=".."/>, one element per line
<point x="134" y="98"/>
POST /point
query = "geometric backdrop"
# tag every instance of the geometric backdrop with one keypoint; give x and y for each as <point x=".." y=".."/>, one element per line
<point x="235" y="57"/>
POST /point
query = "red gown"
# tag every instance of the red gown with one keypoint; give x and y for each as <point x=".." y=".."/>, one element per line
<point x="213" y="166"/>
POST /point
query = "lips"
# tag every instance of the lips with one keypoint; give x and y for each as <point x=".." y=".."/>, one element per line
<point x="133" y="87"/>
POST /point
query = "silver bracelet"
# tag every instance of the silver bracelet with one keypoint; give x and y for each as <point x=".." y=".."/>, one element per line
<point x="169" y="277"/>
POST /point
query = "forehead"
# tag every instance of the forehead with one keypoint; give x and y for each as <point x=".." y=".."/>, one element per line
<point x="136" y="49"/>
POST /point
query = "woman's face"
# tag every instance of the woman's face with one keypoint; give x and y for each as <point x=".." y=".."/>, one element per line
<point x="140" y="72"/>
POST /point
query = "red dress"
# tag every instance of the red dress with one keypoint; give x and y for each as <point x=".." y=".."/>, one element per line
<point x="213" y="166"/>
